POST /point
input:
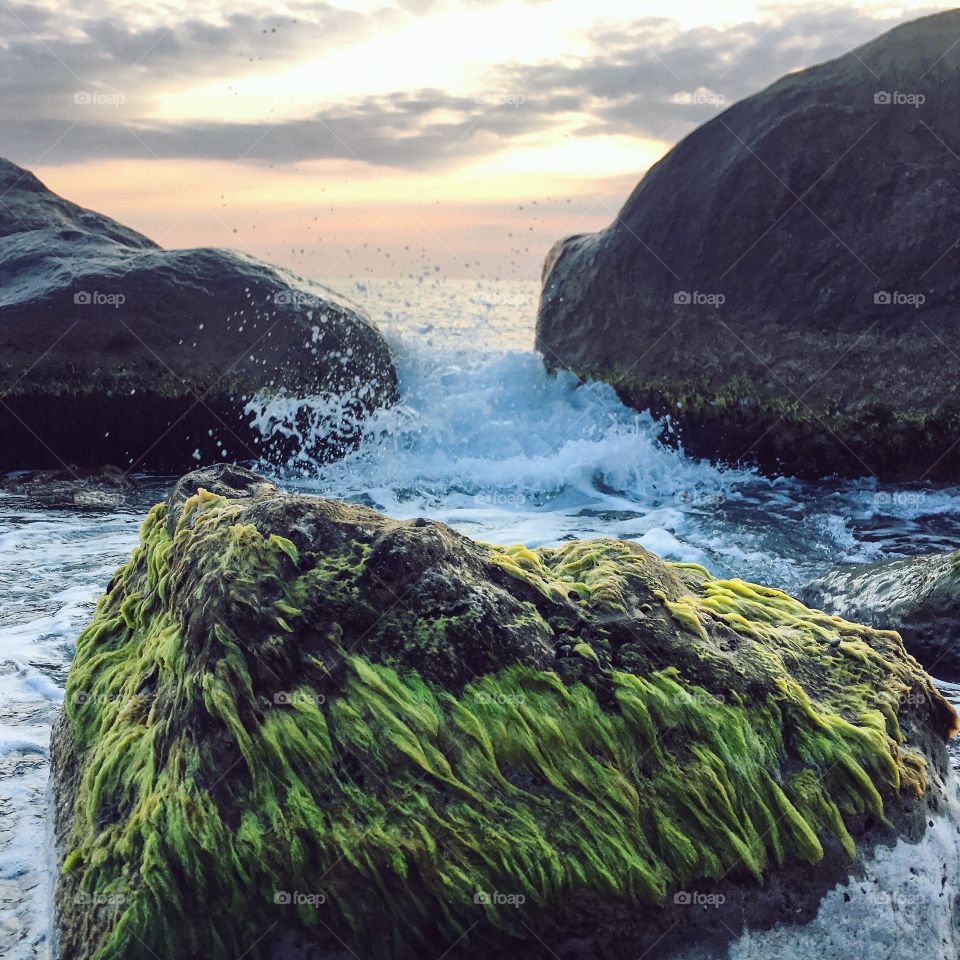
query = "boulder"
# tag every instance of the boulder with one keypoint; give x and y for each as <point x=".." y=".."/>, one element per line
<point x="113" y="350"/>
<point x="919" y="597"/>
<point x="73" y="488"/>
<point x="298" y="728"/>
<point x="783" y="282"/>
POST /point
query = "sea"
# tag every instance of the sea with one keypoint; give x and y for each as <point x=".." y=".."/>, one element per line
<point x="483" y="439"/>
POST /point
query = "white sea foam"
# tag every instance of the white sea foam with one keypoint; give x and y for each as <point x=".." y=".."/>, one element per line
<point x="52" y="567"/>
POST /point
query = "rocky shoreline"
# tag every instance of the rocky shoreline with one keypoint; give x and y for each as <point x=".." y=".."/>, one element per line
<point x="297" y="728"/>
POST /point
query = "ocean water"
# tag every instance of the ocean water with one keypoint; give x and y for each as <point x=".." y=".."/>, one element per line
<point x="482" y="439"/>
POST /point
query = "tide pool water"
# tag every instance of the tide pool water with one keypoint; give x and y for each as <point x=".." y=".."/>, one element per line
<point x="483" y="439"/>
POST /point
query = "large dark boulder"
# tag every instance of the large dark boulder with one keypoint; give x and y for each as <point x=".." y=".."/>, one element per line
<point x="919" y="597"/>
<point x="296" y="727"/>
<point x="784" y="283"/>
<point x="113" y="350"/>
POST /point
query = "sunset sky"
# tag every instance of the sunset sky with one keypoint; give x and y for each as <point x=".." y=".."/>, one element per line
<point x="377" y="138"/>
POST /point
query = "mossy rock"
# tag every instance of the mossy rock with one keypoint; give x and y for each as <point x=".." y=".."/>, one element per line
<point x="297" y="718"/>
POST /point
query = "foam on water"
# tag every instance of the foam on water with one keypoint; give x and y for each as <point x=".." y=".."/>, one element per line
<point x="484" y="439"/>
<point x="492" y="440"/>
<point x="52" y="567"/>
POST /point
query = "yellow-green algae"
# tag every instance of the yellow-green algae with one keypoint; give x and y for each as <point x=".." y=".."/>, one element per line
<point x="698" y="728"/>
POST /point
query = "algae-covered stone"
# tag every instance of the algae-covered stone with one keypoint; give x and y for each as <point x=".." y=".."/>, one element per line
<point x="296" y="724"/>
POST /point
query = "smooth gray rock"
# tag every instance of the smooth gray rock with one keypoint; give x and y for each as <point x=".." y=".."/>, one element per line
<point x="762" y="284"/>
<point x="113" y="350"/>
<point x="919" y="597"/>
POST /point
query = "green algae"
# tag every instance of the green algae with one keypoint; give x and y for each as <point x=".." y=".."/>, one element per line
<point x="255" y="754"/>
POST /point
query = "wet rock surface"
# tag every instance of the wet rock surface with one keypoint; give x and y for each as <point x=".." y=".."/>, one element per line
<point x="777" y="284"/>
<point x="73" y="488"/>
<point x="296" y="727"/>
<point x="114" y="350"/>
<point x="919" y="597"/>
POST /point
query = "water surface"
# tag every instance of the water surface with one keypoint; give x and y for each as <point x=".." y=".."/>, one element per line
<point x="483" y="439"/>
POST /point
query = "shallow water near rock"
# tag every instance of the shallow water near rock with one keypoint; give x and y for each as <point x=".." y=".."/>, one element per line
<point x="483" y="439"/>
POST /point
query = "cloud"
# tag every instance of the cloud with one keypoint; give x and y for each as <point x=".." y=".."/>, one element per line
<point x="401" y="130"/>
<point x="649" y="77"/>
<point x="660" y="81"/>
<point x="47" y="56"/>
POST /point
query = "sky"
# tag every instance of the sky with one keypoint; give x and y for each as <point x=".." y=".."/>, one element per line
<point x="377" y="138"/>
